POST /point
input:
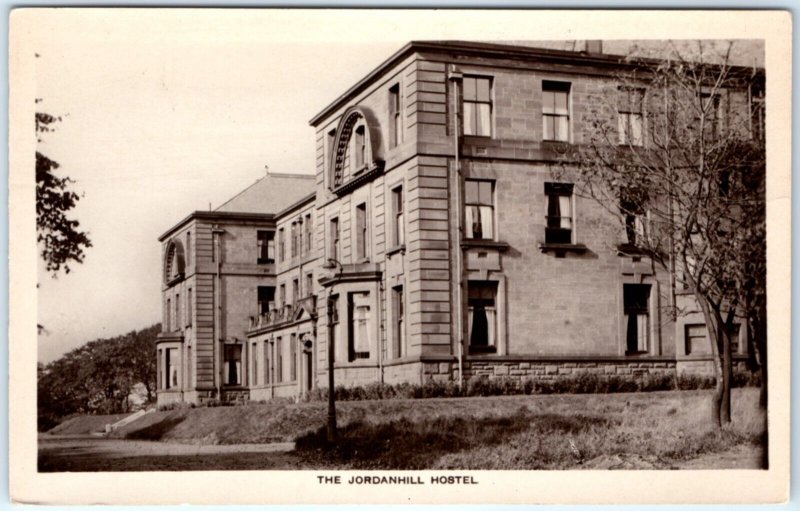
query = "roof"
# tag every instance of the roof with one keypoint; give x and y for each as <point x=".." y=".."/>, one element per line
<point x="219" y="216"/>
<point x="270" y="194"/>
<point x="514" y="51"/>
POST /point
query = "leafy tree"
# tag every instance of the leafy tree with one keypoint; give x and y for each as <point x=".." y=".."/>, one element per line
<point x="98" y="377"/>
<point x="674" y="154"/>
<point x="59" y="236"/>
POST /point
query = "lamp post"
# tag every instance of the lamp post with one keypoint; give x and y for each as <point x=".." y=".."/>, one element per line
<point x="331" y="349"/>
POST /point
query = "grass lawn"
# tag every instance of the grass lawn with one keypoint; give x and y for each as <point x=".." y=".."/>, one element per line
<point x="568" y="431"/>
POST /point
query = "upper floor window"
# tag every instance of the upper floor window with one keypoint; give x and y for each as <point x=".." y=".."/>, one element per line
<point x="189" y="307"/>
<point x="479" y="204"/>
<point x="308" y="233"/>
<point x="266" y="299"/>
<point x="281" y="245"/>
<point x="266" y="247"/>
<point x="559" y="212"/>
<point x="362" y="251"/>
<point x="334" y="237"/>
<point x="359" y="147"/>
<point x="711" y="114"/>
<point x="555" y="110"/>
<point x="330" y="139"/>
<point x="295" y="289"/>
<point x="283" y="294"/>
<point x="630" y="121"/>
<point x="309" y="284"/>
<point x="395" y="116"/>
<point x="398" y="225"/>
<point x="189" y="247"/>
<point x="477" y="104"/>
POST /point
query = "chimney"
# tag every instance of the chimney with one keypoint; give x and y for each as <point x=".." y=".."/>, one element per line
<point x="594" y="46"/>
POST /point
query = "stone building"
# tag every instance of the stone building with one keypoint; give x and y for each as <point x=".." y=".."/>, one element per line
<point x="434" y="242"/>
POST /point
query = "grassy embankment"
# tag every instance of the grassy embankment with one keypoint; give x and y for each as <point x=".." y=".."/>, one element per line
<point x="642" y="430"/>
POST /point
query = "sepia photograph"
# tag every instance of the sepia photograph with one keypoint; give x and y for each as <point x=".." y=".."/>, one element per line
<point x="410" y="261"/>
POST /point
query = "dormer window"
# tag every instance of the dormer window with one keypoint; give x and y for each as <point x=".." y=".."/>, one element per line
<point x="174" y="262"/>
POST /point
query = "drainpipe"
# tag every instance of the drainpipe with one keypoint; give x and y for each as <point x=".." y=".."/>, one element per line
<point x="455" y="76"/>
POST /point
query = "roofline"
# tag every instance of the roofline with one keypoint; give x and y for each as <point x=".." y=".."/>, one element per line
<point x="269" y="174"/>
<point x="481" y="48"/>
<point x="217" y="215"/>
<point x="305" y="200"/>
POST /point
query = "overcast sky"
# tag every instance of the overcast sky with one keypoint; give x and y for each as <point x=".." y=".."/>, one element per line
<point x="164" y="114"/>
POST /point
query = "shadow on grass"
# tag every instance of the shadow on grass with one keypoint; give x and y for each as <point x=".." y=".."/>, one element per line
<point x="403" y="444"/>
<point x="155" y="431"/>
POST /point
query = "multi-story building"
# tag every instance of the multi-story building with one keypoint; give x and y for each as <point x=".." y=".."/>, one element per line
<point x="437" y="242"/>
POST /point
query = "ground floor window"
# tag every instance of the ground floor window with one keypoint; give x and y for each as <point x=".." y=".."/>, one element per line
<point x="267" y="360"/>
<point x="233" y="364"/>
<point x="398" y="310"/>
<point x="359" y="339"/>
<point x="171" y="361"/>
<point x="293" y="357"/>
<point x="636" y="299"/>
<point x="254" y="358"/>
<point x="697" y="342"/>
<point x="482" y="316"/>
<point x="278" y="360"/>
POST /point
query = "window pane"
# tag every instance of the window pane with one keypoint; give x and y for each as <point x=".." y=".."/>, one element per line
<point x="484" y="120"/>
<point x="483" y="89"/>
<point x="469" y="119"/>
<point x="473" y="220"/>
<point x="548" y="102"/>
<point x="469" y="89"/>
<point x="487" y="222"/>
<point x="471" y="191"/>
<point x="400" y="230"/>
<point x="566" y="211"/>
<point x="636" y="129"/>
<point x="485" y="193"/>
<point x="562" y="127"/>
<point x="560" y="103"/>
<point x="643" y="328"/>
<point x="361" y="330"/>
<point x="548" y="127"/>
<point x="622" y="128"/>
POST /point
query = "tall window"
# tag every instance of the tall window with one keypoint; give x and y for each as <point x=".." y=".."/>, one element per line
<point x="334" y="233"/>
<point x="283" y="294"/>
<point x="398" y="310"/>
<point x="477" y="102"/>
<point x="188" y="248"/>
<point x="254" y="362"/>
<point x="479" y="209"/>
<point x="278" y="360"/>
<point x="233" y="364"/>
<point x="359" y="335"/>
<point x="295" y="250"/>
<point x="630" y="108"/>
<point x="398" y="233"/>
<point x="171" y="363"/>
<point x="266" y="247"/>
<point x="334" y="323"/>
<point x="360" y="147"/>
<point x="309" y="284"/>
<point x="395" y="116"/>
<point x="635" y="219"/>
<point x="266" y="299"/>
<point x="555" y="110"/>
<point x="281" y="246"/>
<point x="295" y="290"/>
<point x="267" y="361"/>
<point x="559" y="212"/>
<point x="308" y="233"/>
<point x="636" y="298"/>
<point x="293" y="357"/>
<point x="361" y="231"/>
<point x="189" y="307"/>
<point x="178" y="312"/>
<point x="482" y="316"/>
<point x="710" y="106"/>
<point x="168" y="316"/>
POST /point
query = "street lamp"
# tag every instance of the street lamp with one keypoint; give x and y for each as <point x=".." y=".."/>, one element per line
<point x="331" y="390"/>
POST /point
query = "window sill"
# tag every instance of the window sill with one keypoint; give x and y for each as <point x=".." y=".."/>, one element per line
<point x="395" y="249"/>
<point x="501" y="246"/>
<point x="363" y="260"/>
<point x="563" y="247"/>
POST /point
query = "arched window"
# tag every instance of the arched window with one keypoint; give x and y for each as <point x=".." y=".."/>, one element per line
<point x="174" y="262"/>
<point x="357" y="149"/>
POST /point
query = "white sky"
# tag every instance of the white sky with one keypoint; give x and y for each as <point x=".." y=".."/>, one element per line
<point x="165" y="113"/>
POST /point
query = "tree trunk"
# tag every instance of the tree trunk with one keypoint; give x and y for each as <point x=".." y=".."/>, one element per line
<point x="727" y="376"/>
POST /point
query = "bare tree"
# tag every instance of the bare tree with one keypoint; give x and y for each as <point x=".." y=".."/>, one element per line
<point x="675" y="151"/>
